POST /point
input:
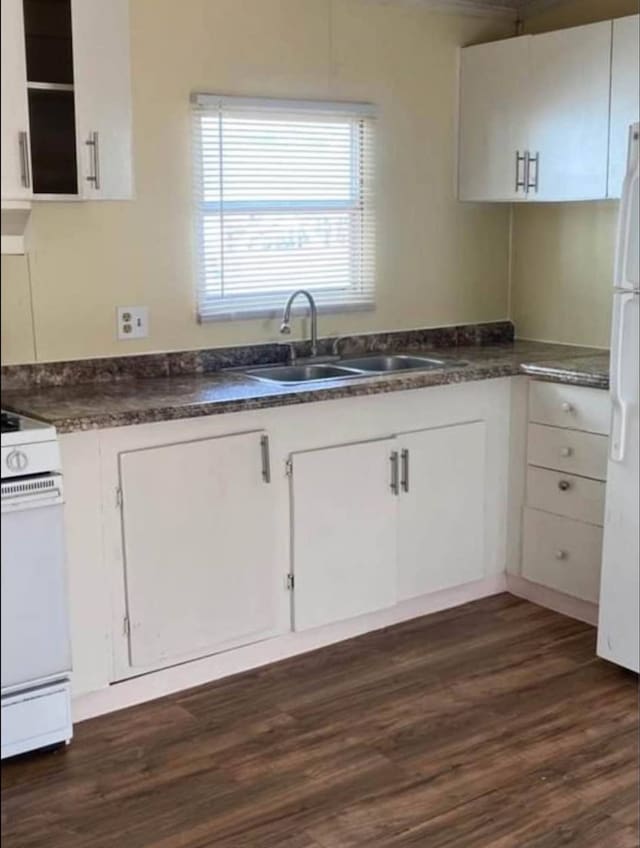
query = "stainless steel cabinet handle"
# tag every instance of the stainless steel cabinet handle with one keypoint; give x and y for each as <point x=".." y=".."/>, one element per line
<point x="564" y="485"/>
<point x="521" y="181"/>
<point x="536" y="161"/>
<point x="405" y="470"/>
<point x="395" y="477"/>
<point x="562" y="555"/>
<point x="94" y="142"/>
<point x="266" y="459"/>
<point x="25" y="170"/>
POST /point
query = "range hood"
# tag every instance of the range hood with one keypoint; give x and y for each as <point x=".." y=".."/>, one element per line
<point x="14" y="219"/>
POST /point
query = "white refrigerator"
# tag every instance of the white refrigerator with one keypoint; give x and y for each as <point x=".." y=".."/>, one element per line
<point x="618" y="627"/>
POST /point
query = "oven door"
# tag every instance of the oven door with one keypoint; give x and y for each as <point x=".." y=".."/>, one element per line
<point x="35" y="627"/>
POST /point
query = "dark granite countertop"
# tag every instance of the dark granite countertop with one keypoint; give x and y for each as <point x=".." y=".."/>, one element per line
<point x="136" y="400"/>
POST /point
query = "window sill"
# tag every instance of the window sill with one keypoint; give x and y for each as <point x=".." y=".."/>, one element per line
<point x="274" y="313"/>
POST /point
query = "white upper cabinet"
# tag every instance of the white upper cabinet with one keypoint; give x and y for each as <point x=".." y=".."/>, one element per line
<point x="625" y="96"/>
<point x="16" y="176"/>
<point x="66" y="100"/>
<point x="545" y="117"/>
<point x="568" y="107"/>
<point x="103" y="98"/>
<point x="493" y="120"/>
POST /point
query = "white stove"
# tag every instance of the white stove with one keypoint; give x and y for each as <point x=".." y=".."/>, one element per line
<point x="36" y="652"/>
<point x="28" y="446"/>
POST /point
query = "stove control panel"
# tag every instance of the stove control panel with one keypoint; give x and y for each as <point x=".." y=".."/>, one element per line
<point x="36" y="458"/>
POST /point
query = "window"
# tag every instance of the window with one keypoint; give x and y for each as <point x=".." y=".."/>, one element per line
<point x="283" y="201"/>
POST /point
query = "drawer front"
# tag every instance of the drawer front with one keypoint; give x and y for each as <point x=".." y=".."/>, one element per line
<point x="566" y="494"/>
<point x="562" y="554"/>
<point x="569" y="406"/>
<point x="35" y="719"/>
<point x="568" y="450"/>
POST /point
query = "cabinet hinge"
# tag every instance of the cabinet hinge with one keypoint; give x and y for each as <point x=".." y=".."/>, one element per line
<point x="289" y="467"/>
<point x="126" y="626"/>
<point x="290" y="582"/>
<point x="118" y="498"/>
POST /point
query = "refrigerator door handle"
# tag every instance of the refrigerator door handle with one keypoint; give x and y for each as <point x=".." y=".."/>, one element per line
<point x="620" y="413"/>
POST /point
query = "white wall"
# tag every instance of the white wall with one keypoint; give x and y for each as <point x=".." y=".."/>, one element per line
<point x="439" y="262"/>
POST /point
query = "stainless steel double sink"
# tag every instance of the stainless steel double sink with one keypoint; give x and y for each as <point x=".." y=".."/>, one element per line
<point x="364" y="366"/>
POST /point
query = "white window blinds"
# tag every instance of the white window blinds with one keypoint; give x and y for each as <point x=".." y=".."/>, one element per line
<point x="284" y="200"/>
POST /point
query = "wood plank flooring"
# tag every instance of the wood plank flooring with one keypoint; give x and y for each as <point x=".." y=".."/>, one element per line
<point x="493" y="724"/>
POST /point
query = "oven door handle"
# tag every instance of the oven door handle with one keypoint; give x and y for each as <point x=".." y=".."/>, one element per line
<point x="33" y="492"/>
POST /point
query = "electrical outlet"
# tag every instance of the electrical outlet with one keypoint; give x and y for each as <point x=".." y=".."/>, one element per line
<point x="133" y="322"/>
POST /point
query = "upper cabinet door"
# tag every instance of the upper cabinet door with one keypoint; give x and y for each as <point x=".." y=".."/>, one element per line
<point x="101" y="58"/>
<point x="16" y="176"/>
<point x="493" y="120"/>
<point x="569" y="113"/>
<point x="625" y="95"/>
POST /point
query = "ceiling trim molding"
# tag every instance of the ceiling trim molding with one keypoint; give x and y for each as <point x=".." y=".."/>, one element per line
<point x="532" y="7"/>
<point x="475" y="8"/>
<point x="505" y="9"/>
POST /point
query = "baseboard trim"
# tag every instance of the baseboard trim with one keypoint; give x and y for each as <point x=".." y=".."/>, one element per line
<point x="138" y="690"/>
<point x="556" y="601"/>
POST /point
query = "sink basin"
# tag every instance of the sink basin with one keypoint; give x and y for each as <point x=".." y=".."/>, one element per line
<point x="364" y="366"/>
<point x="383" y="364"/>
<point x="300" y="373"/>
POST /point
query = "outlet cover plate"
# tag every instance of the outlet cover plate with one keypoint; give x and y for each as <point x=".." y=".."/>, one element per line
<point x="132" y="322"/>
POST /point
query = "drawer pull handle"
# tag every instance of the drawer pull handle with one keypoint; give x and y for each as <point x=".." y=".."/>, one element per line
<point x="566" y="452"/>
<point x="564" y="485"/>
<point x="562" y="555"/>
<point x="567" y="407"/>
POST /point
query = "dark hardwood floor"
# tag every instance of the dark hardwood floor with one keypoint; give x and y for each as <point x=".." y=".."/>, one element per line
<point x="493" y="724"/>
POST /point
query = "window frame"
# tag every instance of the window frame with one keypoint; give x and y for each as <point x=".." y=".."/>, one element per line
<point x="268" y="303"/>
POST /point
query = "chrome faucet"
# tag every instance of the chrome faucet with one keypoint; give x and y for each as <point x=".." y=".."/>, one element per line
<point x="285" y="327"/>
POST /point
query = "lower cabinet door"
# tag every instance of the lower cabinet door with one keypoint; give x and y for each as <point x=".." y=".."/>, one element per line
<point x="198" y="535"/>
<point x="344" y="513"/>
<point x="441" y="514"/>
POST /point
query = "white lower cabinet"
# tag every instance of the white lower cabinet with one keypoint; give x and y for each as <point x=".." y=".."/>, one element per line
<point x="384" y="521"/>
<point x="198" y="541"/>
<point x="441" y="508"/>
<point x="198" y="549"/>
<point x="344" y="520"/>
<point x="565" y="488"/>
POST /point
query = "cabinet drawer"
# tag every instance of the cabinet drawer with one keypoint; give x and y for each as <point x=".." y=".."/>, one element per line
<point x="562" y="554"/>
<point x="575" y="407"/>
<point x="566" y="494"/>
<point x="568" y="450"/>
<point x="36" y="719"/>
